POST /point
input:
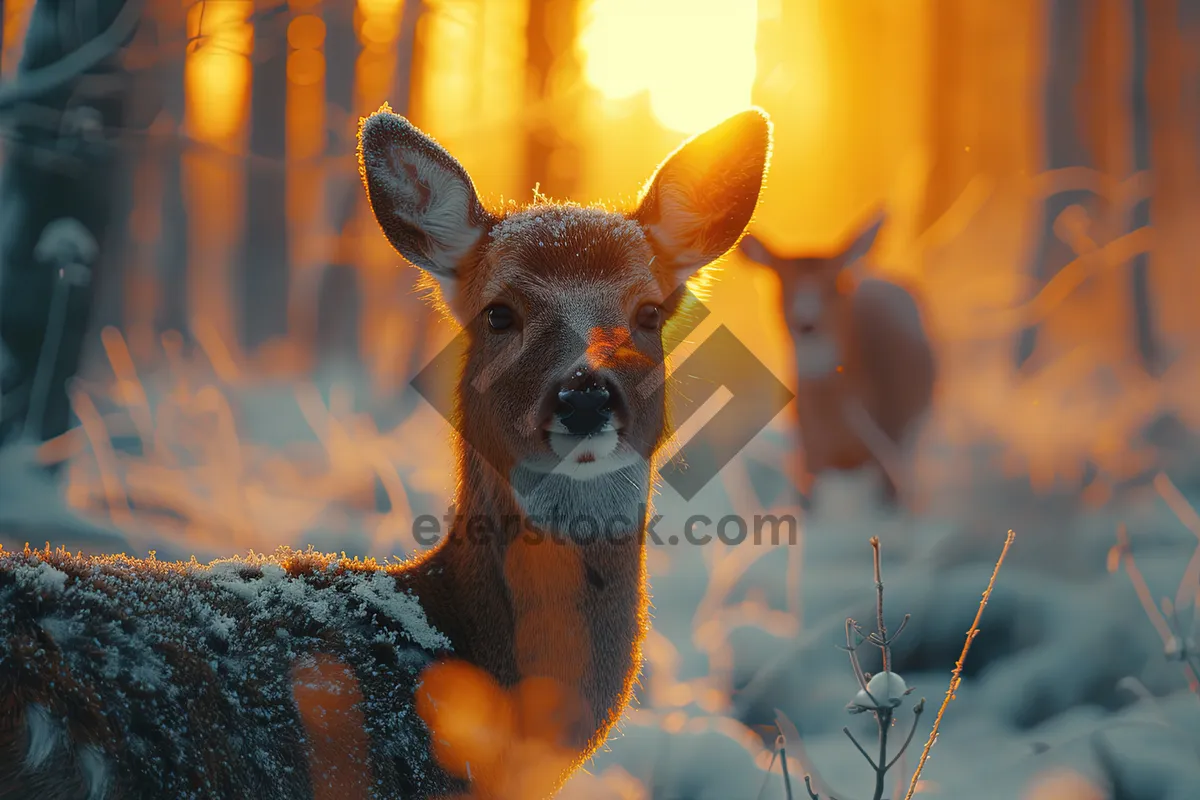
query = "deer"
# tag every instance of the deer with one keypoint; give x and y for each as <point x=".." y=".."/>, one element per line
<point x="494" y="663"/>
<point x="865" y="369"/>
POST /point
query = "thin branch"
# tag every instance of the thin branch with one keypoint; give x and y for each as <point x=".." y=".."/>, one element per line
<point x="1113" y="254"/>
<point x="787" y="779"/>
<point x="957" y="217"/>
<point x="1191" y="520"/>
<point x="38" y="82"/>
<point x="870" y="760"/>
<point x="1073" y="179"/>
<point x="1125" y="553"/>
<point x="901" y="627"/>
<point x="1139" y="584"/>
<point x="858" y="671"/>
<point x="920" y="707"/>
<point x="792" y="739"/>
<point x="762" y="790"/>
<point x="956" y="675"/>
<point x="880" y="626"/>
<point x="884" y="719"/>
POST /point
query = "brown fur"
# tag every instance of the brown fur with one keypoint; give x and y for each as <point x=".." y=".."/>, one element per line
<point x="574" y="614"/>
<point x="530" y="645"/>
<point x="884" y="364"/>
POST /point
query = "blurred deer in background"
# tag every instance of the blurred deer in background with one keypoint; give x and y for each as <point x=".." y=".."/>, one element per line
<point x="496" y="662"/>
<point x="864" y="366"/>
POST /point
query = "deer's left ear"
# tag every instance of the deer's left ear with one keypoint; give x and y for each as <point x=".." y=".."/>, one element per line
<point x="702" y="197"/>
<point x="753" y="248"/>
<point x="862" y="240"/>
<point x="421" y="196"/>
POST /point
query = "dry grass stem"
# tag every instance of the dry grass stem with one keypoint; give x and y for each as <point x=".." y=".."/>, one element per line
<point x="956" y="676"/>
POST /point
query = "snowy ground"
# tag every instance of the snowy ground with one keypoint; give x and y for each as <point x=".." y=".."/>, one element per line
<point x="1063" y="652"/>
<point x="1066" y="650"/>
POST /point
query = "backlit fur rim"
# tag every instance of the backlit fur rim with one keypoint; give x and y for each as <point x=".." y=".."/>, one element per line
<point x="699" y="285"/>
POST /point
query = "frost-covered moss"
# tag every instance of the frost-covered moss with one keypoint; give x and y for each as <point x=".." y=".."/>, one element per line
<point x="186" y="676"/>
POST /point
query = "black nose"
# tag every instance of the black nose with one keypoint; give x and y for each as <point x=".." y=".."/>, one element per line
<point x="584" y="410"/>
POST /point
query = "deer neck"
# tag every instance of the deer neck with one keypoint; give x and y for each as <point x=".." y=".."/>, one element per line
<point x="527" y="606"/>
<point x="835" y="370"/>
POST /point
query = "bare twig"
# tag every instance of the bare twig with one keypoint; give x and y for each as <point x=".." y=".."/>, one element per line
<point x="884" y="720"/>
<point x="762" y="790"/>
<point x="956" y="675"/>
<point x="889" y="686"/>
<point x="813" y="782"/>
<point x="37" y="82"/>
<point x="1169" y="637"/>
<point x="899" y="630"/>
<point x="852" y="626"/>
<point x="1073" y="275"/>
<point x="787" y="780"/>
<point x="1174" y="498"/>
<point x="1125" y="553"/>
<point x="880" y="626"/>
<point x="917" y="710"/>
<point x="865" y="755"/>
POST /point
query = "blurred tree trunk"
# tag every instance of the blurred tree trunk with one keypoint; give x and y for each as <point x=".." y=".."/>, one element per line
<point x="172" y="311"/>
<point x="1187" y="24"/>
<point x="334" y="302"/>
<point x="408" y="59"/>
<point x="62" y="163"/>
<point x="265" y="270"/>
<point x="1135" y="99"/>
<point x="341" y="48"/>
<point x="1173" y="97"/>
<point x="339" y="305"/>
<point x="950" y="90"/>
<point x="1067" y="26"/>
<point x="1188" y="21"/>
<point x="406" y="53"/>
<point x="552" y="153"/>
<point x="114" y="296"/>
<point x="1118" y="134"/>
<point x="341" y="45"/>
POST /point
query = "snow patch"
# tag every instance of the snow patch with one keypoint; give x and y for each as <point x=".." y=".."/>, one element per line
<point x="41" y="577"/>
<point x="380" y="592"/>
<point x="45" y="733"/>
<point x="95" y="771"/>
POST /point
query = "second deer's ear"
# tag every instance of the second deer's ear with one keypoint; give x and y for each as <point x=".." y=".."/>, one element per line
<point x="702" y="197"/>
<point x="753" y="248"/>
<point x="423" y="199"/>
<point x="861" y="241"/>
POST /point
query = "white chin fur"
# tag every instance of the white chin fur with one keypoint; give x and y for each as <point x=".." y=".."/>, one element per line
<point x="584" y="448"/>
<point x="585" y="457"/>
<point x="816" y="356"/>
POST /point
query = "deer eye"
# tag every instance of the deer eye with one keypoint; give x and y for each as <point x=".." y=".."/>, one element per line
<point x="500" y="317"/>
<point x="649" y="316"/>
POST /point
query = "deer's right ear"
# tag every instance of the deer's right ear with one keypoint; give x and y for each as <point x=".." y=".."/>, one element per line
<point x="702" y="197"/>
<point x="423" y="199"/>
<point x="753" y="248"/>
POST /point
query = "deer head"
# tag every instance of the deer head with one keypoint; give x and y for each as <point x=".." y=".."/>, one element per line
<point x="564" y="306"/>
<point x="816" y="292"/>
